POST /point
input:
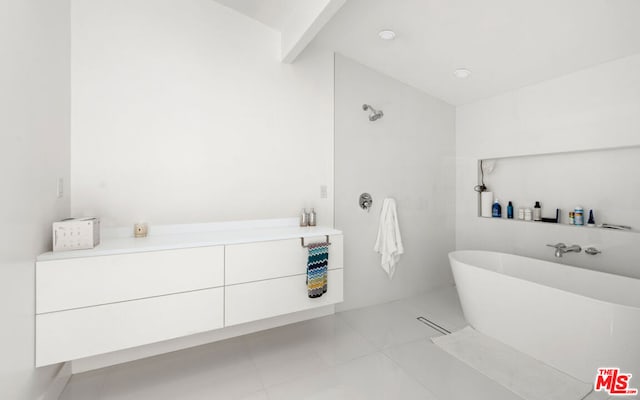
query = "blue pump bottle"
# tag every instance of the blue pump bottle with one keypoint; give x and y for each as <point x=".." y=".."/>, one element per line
<point x="496" y="210"/>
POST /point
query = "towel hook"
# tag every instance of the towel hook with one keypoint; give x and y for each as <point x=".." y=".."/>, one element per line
<point x="365" y="201"/>
<point x="303" y="245"/>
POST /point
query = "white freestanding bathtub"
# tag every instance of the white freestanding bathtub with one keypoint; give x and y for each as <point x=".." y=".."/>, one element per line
<point x="573" y="319"/>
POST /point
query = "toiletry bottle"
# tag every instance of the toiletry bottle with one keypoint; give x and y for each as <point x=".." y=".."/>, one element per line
<point x="572" y="217"/>
<point x="528" y="214"/>
<point x="578" y="216"/>
<point x="304" y="218"/>
<point x="496" y="210"/>
<point x="591" y="221"/>
<point x="510" y="211"/>
<point x="486" y="202"/>
<point x="312" y="218"/>
<point x="521" y="213"/>
<point x="537" y="212"/>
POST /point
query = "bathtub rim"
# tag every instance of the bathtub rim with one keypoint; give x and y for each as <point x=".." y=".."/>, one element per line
<point x="605" y="302"/>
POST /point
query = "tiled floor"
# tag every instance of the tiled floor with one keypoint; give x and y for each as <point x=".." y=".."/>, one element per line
<point x="380" y="352"/>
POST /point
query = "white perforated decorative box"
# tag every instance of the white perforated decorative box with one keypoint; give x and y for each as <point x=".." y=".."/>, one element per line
<point x="76" y="234"/>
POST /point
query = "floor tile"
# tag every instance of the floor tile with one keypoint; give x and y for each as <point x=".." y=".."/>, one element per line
<point x="445" y="376"/>
<point x="336" y="341"/>
<point x="441" y="306"/>
<point x="85" y="386"/>
<point x="597" y="396"/>
<point x="387" y="324"/>
<point x="261" y="395"/>
<point x="371" y="377"/>
<point x="220" y="370"/>
<point x="281" y="355"/>
<point x="297" y="350"/>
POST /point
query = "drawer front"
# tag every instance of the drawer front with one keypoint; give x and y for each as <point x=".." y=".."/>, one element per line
<point x="73" y="334"/>
<point x="263" y="299"/>
<point x="90" y="281"/>
<point x="266" y="260"/>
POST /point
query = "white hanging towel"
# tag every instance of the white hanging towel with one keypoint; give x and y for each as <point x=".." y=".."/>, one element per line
<point x="389" y="242"/>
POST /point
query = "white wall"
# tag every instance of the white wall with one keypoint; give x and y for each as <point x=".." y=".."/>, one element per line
<point x="183" y="113"/>
<point x="594" y="108"/>
<point x="34" y="153"/>
<point x="408" y="155"/>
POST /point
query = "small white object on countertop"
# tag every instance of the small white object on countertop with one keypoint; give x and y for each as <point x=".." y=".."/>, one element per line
<point x="76" y="234"/>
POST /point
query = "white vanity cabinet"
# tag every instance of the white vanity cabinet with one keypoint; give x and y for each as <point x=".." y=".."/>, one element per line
<point x="263" y="299"/>
<point x="90" y="281"/>
<point x="83" y="332"/>
<point x="267" y="279"/>
<point x="92" y="302"/>
<point x="93" y="305"/>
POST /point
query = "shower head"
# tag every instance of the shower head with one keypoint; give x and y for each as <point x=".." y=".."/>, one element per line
<point x="375" y="115"/>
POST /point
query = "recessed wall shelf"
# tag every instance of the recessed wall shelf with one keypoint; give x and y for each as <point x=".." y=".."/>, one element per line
<point x="563" y="225"/>
<point x="606" y="181"/>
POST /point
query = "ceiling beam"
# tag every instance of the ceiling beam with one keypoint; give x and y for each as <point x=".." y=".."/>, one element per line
<point x="304" y="26"/>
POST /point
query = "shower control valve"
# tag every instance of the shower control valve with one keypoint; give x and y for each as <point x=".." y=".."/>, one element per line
<point x="365" y="201"/>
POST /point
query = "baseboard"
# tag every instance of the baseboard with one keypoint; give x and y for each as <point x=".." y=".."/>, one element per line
<point x="59" y="382"/>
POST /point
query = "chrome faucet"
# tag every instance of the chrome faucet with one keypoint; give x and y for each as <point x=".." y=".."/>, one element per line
<point x="562" y="248"/>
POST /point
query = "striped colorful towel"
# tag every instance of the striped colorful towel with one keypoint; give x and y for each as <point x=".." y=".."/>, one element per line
<point x="317" y="269"/>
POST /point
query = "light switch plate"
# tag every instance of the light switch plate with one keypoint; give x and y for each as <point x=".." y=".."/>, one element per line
<point x="323" y="191"/>
<point x="60" y="192"/>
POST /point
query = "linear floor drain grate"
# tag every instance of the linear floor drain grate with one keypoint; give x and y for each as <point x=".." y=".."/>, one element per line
<point x="433" y="325"/>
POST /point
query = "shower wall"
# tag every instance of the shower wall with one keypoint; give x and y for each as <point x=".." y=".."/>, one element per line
<point x="409" y="155"/>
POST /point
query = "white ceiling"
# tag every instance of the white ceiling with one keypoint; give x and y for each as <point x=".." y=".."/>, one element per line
<point x="273" y="13"/>
<point x="506" y="43"/>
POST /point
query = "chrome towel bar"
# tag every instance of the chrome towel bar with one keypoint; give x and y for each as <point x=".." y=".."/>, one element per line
<point x="303" y="245"/>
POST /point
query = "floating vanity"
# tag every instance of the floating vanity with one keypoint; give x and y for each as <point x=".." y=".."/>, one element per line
<point x="180" y="281"/>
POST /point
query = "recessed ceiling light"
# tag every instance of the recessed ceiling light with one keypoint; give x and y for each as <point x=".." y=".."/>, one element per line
<point x="462" y="73"/>
<point x="387" y="34"/>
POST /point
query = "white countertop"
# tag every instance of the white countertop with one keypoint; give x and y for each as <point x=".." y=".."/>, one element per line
<point x="114" y="241"/>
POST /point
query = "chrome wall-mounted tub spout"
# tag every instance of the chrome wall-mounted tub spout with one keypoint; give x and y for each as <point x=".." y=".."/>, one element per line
<point x="562" y="248"/>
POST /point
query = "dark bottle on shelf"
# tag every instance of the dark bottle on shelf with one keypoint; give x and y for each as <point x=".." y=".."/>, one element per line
<point x="537" y="212"/>
<point x="510" y="211"/>
<point x="496" y="210"/>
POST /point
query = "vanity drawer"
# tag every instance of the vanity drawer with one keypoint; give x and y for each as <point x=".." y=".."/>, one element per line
<point x="89" y="281"/>
<point x="267" y="260"/>
<point x="263" y="299"/>
<point x="73" y="334"/>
